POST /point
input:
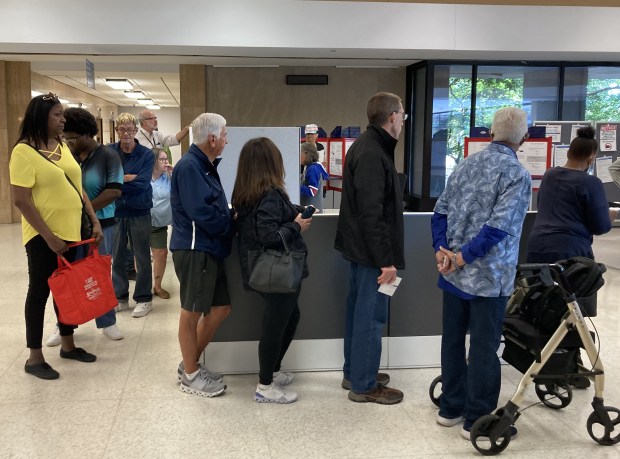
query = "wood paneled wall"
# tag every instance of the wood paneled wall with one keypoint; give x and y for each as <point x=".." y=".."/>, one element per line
<point x="14" y="98"/>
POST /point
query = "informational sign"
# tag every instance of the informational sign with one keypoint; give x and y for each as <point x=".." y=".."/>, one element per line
<point x="535" y="157"/>
<point x="336" y="155"/>
<point x="560" y="155"/>
<point x="534" y="154"/>
<point x="90" y="74"/>
<point x="608" y="135"/>
<point x="554" y="131"/>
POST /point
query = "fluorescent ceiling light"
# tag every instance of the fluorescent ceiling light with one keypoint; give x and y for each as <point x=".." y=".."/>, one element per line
<point x="119" y="83"/>
<point x="35" y="93"/>
<point x="145" y="101"/>
<point x="153" y="107"/>
<point x="135" y="94"/>
<point x="73" y="105"/>
<point x="63" y="101"/>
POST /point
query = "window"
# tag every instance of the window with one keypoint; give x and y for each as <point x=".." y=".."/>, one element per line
<point x="591" y="94"/>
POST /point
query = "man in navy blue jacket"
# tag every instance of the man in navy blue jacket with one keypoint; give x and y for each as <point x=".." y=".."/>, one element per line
<point x="133" y="218"/>
<point x="202" y="229"/>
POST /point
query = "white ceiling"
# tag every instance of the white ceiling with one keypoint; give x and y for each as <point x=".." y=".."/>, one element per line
<point x="158" y="76"/>
<point x="285" y="33"/>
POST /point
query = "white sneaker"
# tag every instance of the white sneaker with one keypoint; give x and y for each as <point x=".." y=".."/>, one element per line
<point x="273" y="394"/>
<point x="142" y="309"/>
<point x="53" y="339"/>
<point x="201" y="385"/>
<point x="448" y="422"/>
<point x="121" y="306"/>
<point x="282" y="378"/>
<point x="112" y="332"/>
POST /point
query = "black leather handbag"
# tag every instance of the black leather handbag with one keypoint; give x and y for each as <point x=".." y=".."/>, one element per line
<point x="276" y="271"/>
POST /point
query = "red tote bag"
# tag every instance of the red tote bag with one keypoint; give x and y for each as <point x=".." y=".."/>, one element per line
<point x="83" y="289"/>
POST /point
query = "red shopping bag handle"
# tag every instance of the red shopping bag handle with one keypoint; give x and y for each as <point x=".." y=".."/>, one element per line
<point x="92" y="250"/>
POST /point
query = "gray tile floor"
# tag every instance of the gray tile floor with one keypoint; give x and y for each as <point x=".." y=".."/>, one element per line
<point x="127" y="404"/>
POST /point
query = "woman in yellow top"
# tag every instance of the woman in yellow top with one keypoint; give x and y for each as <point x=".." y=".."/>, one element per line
<point x="51" y="217"/>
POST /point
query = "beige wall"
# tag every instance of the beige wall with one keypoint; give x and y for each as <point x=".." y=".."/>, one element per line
<point x="260" y="96"/>
<point x="99" y="108"/>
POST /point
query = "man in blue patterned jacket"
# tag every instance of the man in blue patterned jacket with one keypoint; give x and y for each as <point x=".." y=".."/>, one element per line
<point x="476" y="229"/>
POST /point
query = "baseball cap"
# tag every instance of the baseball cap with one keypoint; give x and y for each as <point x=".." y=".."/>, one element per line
<point x="311" y="129"/>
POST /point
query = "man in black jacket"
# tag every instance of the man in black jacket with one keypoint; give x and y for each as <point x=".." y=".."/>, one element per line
<point x="370" y="235"/>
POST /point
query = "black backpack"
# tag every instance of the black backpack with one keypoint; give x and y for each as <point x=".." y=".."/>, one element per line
<point x="544" y="306"/>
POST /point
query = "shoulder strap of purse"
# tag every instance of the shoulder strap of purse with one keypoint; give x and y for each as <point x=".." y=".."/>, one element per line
<point x="66" y="176"/>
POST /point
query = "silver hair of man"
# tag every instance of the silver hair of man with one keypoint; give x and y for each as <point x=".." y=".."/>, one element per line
<point x="509" y="125"/>
<point x="206" y="124"/>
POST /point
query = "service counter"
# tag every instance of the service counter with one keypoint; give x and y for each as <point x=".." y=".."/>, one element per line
<point x="412" y="336"/>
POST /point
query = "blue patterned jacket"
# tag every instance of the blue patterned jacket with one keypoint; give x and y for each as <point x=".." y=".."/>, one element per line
<point x="488" y="192"/>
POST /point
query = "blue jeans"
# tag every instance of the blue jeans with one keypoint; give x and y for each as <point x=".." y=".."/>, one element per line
<point x="367" y="311"/>
<point x="470" y="385"/>
<point x="138" y="231"/>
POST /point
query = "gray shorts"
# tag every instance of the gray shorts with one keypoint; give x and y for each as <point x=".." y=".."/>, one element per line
<point x="202" y="280"/>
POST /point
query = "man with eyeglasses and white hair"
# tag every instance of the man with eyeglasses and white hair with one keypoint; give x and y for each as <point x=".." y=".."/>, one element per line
<point x="149" y="136"/>
<point x="476" y="229"/>
<point x="370" y="236"/>
<point x="133" y="218"/>
<point x="202" y="230"/>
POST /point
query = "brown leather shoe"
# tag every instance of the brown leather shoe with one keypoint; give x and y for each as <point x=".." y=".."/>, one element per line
<point x="163" y="294"/>
<point x="380" y="394"/>
<point x="383" y="379"/>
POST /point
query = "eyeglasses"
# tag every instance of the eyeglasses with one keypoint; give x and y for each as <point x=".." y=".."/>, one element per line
<point x="163" y="160"/>
<point x="125" y="131"/>
<point x="149" y="119"/>
<point x="405" y="115"/>
<point x="50" y="96"/>
<point x="71" y="139"/>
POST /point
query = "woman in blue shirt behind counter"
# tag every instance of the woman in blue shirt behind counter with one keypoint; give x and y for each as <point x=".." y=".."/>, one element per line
<point x="161" y="218"/>
<point x="572" y="206"/>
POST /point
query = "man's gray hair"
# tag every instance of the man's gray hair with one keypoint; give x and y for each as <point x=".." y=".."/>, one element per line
<point x="509" y="125"/>
<point x="206" y="124"/>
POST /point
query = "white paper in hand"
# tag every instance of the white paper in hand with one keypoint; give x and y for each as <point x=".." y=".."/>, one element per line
<point x="389" y="289"/>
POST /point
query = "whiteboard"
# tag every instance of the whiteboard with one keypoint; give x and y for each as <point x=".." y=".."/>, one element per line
<point x="285" y="138"/>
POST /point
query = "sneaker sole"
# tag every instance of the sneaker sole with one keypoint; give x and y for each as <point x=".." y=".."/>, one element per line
<point x="361" y="398"/>
<point x="140" y="314"/>
<point x="449" y="422"/>
<point x="261" y="399"/>
<point x="189" y="390"/>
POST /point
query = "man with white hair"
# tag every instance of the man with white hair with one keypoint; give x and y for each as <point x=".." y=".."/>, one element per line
<point x="476" y="230"/>
<point x="202" y="229"/>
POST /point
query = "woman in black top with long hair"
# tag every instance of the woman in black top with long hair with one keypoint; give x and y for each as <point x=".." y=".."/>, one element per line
<point x="264" y="211"/>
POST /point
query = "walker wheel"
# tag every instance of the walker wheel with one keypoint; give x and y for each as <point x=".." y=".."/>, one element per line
<point x="480" y="439"/>
<point x="432" y="390"/>
<point x="555" y="396"/>
<point x="602" y="434"/>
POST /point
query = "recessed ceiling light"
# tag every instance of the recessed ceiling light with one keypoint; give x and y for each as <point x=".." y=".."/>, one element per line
<point x="135" y="94"/>
<point x="145" y="101"/>
<point x="119" y="83"/>
<point x="153" y="107"/>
